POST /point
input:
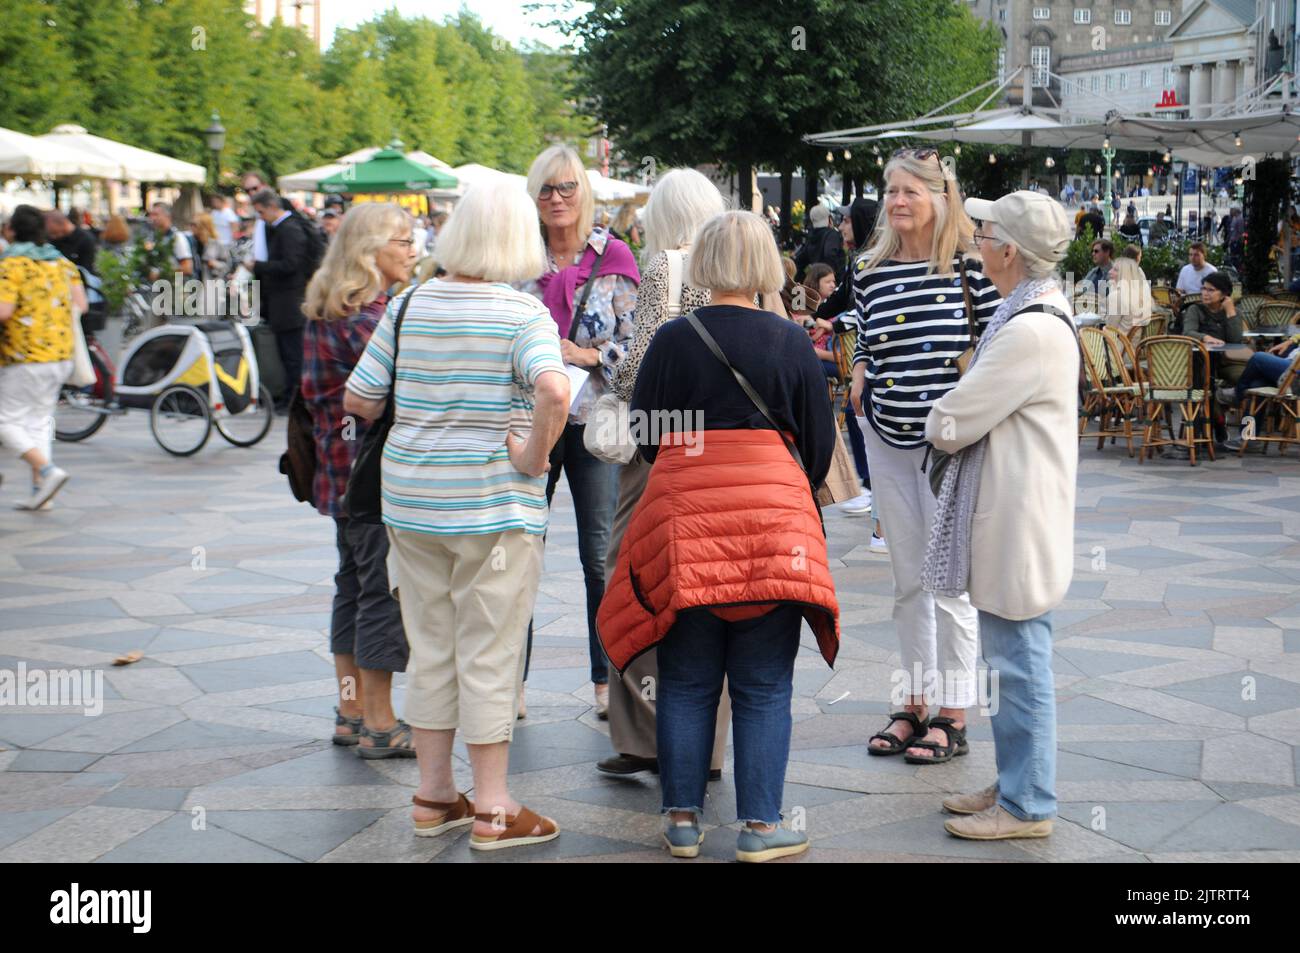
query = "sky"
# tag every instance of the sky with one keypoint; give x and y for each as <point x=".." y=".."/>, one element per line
<point x="504" y="17"/>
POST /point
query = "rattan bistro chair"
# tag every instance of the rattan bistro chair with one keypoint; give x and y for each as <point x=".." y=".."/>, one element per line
<point x="1272" y="414"/>
<point x="1169" y="382"/>
<point x="1109" y="394"/>
<point x="1249" y="305"/>
<point x="1273" y="316"/>
<point x="1162" y="296"/>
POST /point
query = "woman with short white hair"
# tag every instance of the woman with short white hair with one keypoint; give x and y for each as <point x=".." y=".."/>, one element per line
<point x="1004" y="527"/>
<point x="479" y="389"/>
<point x="589" y="285"/>
<point x="725" y="557"/>
<point x="914" y="322"/>
<point x="681" y="201"/>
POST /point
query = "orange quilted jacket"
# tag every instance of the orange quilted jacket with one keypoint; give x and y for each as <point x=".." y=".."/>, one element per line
<point x="734" y="525"/>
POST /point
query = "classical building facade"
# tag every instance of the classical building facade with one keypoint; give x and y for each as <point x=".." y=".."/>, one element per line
<point x="304" y="14"/>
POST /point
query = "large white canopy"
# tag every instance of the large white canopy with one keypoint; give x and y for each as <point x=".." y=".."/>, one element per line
<point x="131" y="164"/>
<point x="614" y="190"/>
<point x="34" y="157"/>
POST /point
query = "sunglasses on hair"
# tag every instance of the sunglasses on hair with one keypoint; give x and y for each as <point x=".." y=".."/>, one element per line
<point x="926" y="153"/>
<point x="566" y="190"/>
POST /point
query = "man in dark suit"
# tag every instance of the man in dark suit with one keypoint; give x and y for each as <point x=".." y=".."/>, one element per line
<point x="74" y="243"/>
<point x="283" y="283"/>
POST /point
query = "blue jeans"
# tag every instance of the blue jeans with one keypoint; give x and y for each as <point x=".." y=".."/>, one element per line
<point x="757" y="657"/>
<point x="1024" y="726"/>
<point x="594" y="485"/>
<point x="1262" y="370"/>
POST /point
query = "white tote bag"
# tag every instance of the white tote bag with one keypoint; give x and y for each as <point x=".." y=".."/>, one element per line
<point x="83" y="372"/>
<point x="608" y="435"/>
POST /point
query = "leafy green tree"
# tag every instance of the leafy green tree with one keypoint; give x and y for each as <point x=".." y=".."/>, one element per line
<point x="38" y="73"/>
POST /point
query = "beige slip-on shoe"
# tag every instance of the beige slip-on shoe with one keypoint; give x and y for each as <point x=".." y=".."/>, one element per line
<point x="972" y="803"/>
<point x="996" y="824"/>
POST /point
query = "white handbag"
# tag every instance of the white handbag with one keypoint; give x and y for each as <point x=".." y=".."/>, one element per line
<point x="608" y="434"/>
<point x="83" y="372"/>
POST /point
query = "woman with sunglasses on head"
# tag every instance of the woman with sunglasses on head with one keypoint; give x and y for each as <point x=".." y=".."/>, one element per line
<point x="913" y="324"/>
<point x="590" y="287"/>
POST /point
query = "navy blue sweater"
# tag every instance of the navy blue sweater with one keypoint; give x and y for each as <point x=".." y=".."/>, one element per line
<point x="680" y="373"/>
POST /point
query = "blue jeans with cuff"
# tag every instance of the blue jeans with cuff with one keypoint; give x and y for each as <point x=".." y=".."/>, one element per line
<point x="1262" y="370"/>
<point x="1024" y="723"/>
<point x="757" y="657"/>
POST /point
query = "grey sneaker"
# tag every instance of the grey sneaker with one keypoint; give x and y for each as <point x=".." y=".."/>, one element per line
<point x="1227" y="396"/>
<point x="754" y="847"/>
<point x="683" y="838"/>
<point x="50" y="484"/>
<point x="972" y="803"/>
<point x="1233" y="445"/>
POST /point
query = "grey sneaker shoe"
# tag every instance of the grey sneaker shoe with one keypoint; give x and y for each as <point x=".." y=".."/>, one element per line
<point x="50" y="484"/>
<point x="683" y="838"/>
<point x="1227" y="396"/>
<point x="754" y="847"/>
<point x="972" y="803"/>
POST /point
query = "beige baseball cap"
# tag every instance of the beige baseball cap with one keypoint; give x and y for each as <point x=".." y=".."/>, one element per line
<point x="1033" y="221"/>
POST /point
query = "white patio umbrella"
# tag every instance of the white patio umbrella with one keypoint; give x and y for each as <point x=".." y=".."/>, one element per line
<point x="472" y="173"/>
<point x="605" y="189"/>
<point x="132" y="164"/>
<point x="33" y="157"/>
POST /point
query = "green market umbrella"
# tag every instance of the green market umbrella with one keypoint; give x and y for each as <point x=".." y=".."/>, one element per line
<point x="387" y="171"/>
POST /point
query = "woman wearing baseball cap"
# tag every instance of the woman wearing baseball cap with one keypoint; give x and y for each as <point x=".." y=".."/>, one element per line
<point x="1004" y="527"/>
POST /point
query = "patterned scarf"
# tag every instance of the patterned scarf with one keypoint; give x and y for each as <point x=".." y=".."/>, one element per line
<point x="947" y="555"/>
<point x="33" y="251"/>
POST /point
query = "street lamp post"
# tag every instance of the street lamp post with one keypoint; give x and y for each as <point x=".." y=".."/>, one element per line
<point x="215" y="137"/>
<point x="1108" y="154"/>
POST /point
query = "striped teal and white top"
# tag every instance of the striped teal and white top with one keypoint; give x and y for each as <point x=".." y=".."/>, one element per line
<point x="469" y="357"/>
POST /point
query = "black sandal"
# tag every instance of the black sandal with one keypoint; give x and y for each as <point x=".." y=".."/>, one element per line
<point x="919" y="728"/>
<point x="954" y="747"/>
<point x="353" y="724"/>
<point x="396" y="742"/>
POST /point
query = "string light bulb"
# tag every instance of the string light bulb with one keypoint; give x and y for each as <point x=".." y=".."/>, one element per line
<point x="1105" y="143"/>
<point x="956" y="149"/>
<point x="830" y="156"/>
<point x="1167" y="156"/>
<point x="1051" y="163"/>
<point x="880" y="161"/>
<point x="847" y="155"/>
<point x="1236" y="139"/>
<point x="993" y="160"/>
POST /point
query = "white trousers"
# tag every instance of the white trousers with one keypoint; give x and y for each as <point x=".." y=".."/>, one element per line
<point x="938" y="636"/>
<point x="29" y="394"/>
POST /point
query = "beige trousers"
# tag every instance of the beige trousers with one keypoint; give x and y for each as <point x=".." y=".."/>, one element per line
<point x="632" y="697"/>
<point x="466" y="601"/>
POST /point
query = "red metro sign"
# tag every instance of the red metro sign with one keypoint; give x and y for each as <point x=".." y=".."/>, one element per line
<point x="1169" y="100"/>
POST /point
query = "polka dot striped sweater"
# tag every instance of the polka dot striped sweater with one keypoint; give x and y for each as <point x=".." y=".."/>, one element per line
<point x="911" y="329"/>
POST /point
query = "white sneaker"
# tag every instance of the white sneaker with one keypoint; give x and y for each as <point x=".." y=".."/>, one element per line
<point x="858" y="506"/>
<point x="878" y="545"/>
<point x="42" y="494"/>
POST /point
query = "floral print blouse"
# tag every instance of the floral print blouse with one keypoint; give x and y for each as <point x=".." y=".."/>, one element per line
<point x="606" y="324"/>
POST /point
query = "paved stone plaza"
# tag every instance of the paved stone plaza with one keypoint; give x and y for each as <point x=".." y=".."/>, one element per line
<point x="1177" y="664"/>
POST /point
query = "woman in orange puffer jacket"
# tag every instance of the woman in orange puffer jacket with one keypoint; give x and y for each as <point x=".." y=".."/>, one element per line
<point x="725" y="556"/>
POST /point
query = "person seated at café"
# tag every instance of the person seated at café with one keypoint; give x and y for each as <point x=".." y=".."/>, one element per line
<point x="1128" y="304"/>
<point x="1103" y="257"/>
<point x="1215" y="321"/>
<point x="1193" y="273"/>
<point x="1131" y="231"/>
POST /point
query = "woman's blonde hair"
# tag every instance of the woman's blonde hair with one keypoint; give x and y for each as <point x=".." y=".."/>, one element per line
<point x="953" y="230"/>
<point x="203" y="228"/>
<point x="349" y="278"/>
<point x="562" y="162"/>
<point x="1130" y="292"/>
<point x="492" y="234"/>
<point x="682" y="201"/>
<point x="736" y="251"/>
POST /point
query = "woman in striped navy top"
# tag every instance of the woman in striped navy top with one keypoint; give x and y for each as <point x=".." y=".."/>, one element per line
<point x="912" y="328"/>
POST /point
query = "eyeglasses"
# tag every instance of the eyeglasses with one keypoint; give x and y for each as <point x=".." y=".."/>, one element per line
<point x="566" y="190"/>
<point x="927" y="153"/>
<point x="408" y="242"/>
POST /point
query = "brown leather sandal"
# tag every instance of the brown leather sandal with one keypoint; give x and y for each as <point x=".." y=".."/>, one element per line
<point x="518" y="831"/>
<point x="458" y="813"/>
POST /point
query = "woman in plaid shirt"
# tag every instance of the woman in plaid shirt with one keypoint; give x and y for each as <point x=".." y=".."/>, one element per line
<point x="371" y="252"/>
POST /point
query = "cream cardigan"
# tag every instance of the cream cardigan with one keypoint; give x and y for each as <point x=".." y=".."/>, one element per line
<point x="1023" y="393"/>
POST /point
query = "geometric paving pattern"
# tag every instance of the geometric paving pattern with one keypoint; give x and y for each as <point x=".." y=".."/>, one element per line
<point x="1177" y="670"/>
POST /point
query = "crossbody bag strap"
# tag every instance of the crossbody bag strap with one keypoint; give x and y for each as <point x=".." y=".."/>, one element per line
<point x="397" y="327"/>
<point x="966" y="300"/>
<point x="675" y="261"/>
<point x="747" y="388"/>
<point x="586" y="292"/>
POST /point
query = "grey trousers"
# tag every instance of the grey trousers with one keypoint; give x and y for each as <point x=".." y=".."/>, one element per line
<point x="632" y="697"/>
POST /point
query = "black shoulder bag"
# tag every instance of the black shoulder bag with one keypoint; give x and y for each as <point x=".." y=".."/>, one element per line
<point x="557" y="453"/>
<point x="758" y="401"/>
<point x="362" y="499"/>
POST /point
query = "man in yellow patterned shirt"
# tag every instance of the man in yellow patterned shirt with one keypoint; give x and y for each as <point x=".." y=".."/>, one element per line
<point x="40" y="296"/>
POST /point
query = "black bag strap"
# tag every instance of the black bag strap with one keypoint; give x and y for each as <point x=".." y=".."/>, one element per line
<point x="968" y="302"/>
<point x="586" y="291"/>
<point x="748" y="389"/>
<point x="397" y="327"/>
